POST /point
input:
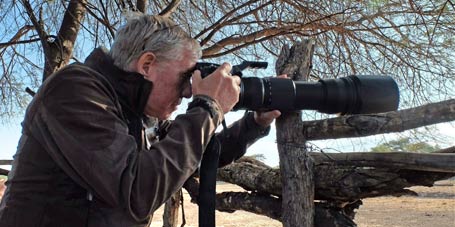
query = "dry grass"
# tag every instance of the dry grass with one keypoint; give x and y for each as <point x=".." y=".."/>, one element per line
<point x="435" y="206"/>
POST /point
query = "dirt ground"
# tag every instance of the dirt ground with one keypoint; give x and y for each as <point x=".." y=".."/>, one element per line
<point x="434" y="207"/>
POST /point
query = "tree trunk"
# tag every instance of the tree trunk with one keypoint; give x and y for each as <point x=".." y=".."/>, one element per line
<point x="296" y="166"/>
<point x="59" y="50"/>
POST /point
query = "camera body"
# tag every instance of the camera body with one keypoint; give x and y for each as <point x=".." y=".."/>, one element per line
<point x="347" y="95"/>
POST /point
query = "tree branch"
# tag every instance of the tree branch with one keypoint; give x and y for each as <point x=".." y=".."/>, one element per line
<point x="11" y="43"/>
<point x="61" y="50"/>
<point x="173" y="5"/>
<point x="104" y="21"/>
<point x="36" y="23"/>
<point x="4" y="172"/>
<point x="141" y="5"/>
<point x="372" y="124"/>
<point x="223" y="21"/>
<point x="215" y="48"/>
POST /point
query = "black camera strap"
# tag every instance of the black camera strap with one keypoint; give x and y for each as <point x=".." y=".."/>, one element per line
<point x="207" y="184"/>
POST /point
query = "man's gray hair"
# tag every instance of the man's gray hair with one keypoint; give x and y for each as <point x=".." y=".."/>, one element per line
<point x="151" y="33"/>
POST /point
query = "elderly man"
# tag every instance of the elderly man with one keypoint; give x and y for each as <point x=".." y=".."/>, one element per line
<point x="84" y="158"/>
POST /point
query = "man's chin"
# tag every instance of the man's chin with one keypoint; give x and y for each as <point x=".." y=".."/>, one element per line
<point x="165" y="116"/>
<point x="160" y="117"/>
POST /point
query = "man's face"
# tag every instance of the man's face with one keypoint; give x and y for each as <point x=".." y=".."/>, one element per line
<point x="170" y="84"/>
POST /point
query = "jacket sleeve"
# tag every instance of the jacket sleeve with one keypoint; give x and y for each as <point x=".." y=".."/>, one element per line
<point x="87" y="137"/>
<point x="238" y="137"/>
<point x="234" y="140"/>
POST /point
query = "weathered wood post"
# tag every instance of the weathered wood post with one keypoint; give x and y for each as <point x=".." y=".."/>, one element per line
<point x="295" y="164"/>
<point x="171" y="210"/>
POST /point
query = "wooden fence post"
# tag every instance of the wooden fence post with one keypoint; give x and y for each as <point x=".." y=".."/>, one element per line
<point x="295" y="163"/>
<point x="171" y="210"/>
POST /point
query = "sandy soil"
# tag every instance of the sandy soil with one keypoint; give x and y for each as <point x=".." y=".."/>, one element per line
<point x="434" y="207"/>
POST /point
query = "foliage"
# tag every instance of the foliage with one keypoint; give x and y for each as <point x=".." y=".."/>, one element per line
<point x="412" y="40"/>
<point x="405" y="145"/>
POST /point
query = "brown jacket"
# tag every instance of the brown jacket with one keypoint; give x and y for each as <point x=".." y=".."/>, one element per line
<point x="82" y="159"/>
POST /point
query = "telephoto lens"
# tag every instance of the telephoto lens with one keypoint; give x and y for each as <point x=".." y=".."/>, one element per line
<point x="348" y="95"/>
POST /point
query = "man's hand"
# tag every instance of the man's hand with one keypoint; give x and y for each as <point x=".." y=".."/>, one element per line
<point x="264" y="119"/>
<point x="220" y="85"/>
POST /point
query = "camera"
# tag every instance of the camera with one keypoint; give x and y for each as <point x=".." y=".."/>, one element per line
<point x="347" y="95"/>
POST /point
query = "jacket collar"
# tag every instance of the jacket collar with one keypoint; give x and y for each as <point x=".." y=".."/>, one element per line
<point x="131" y="87"/>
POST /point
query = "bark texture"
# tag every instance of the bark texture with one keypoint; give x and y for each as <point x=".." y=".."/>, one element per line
<point x="333" y="182"/>
<point x="58" y="50"/>
<point x="372" y="124"/>
<point x="171" y="210"/>
<point x="435" y="162"/>
<point x="295" y="165"/>
<point x="262" y="204"/>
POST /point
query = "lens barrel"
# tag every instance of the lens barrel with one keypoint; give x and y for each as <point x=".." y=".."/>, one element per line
<point x="347" y="95"/>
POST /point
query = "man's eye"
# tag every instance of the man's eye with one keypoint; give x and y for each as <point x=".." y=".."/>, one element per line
<point x="185" y="79"/>
<point x="187" y="76"/>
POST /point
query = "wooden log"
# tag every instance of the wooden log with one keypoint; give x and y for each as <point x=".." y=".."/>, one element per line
<point x="6" y="162"/>
<point x="332" y="181"/>
<point x="270" y="207"/>
<point x="434" y="162"/>
<point x="261" y="204"/>
<point x="4" y="172"/>
<point x="373" y="124"/>
<point x="446" y="150"/>
<point x="295" y="165"/>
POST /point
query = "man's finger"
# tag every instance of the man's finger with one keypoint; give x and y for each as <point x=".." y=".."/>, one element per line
<point x="196" y="78"/>
<point x="225" y="68"/>
<point x="273" y="114"/>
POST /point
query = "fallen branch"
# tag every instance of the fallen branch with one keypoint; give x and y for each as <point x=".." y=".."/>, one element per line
<point x="325" y="214"/>
<point x="332" y="181"/>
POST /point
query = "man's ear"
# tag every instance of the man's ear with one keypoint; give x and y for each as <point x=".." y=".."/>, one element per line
<point x="145" y="63"/>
